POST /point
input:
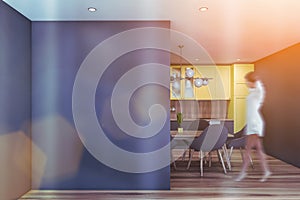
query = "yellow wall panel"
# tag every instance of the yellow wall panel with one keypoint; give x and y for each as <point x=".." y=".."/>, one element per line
<point x="240" y="94"/>
<point x="240" y="113"/>
<point x="240" y="70"/>
<point x="241" y="89"/>
<point x="223" y="80"/>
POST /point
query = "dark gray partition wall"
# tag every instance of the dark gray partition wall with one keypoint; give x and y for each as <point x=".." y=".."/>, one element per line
<point x="55" y="155"/>
<point x="280" y="73"/>
<point x="15" y="103"/>
<point x="60" y="158"/>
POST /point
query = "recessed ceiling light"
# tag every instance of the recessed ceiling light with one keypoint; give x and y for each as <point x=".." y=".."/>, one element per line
<point x="238" y="59"/>
<point x="203" y="9"/>
<point x="92" y="9"/>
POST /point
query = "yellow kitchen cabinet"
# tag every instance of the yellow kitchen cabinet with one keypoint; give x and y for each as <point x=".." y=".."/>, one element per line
<point x="175" y="82"/>
<point x="223" y="80"/>
<point x="240" y="70"/>
<point x="188" y="87"/>
<point x="181" y="87"/>
<point x="240" y="93"/>
<point x="205" y="92"/>
<point x="218" y="87"/>
<point x="239" y="118"/>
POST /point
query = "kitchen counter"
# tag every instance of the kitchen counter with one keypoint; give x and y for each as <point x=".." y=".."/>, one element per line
<point x="188" y="125"/>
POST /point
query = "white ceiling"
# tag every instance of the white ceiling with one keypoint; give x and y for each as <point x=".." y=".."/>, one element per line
<point x="230" y="29"/>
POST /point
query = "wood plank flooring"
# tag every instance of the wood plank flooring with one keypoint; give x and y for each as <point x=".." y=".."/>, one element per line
<point x="187" y="184"/>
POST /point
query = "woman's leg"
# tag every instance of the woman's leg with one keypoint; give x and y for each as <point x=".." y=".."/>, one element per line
<point x="250" y="143"/>
<point x="262" y="157"/>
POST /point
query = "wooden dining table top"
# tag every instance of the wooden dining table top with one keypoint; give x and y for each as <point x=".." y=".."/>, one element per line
<point x="189" y="134"/>
<point x="185" y="133"/>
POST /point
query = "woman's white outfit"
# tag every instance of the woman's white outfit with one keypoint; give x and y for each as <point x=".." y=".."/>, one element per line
<point x="255" y="122"/>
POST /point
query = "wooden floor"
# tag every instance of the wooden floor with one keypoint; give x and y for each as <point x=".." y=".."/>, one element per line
<point x="283" y="184"/>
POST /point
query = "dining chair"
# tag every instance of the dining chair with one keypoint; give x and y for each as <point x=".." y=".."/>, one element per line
<point x="238" y="142"/>
<point x="181" y="143"/>
<point x="213" y="138"/>
<point x="233" y="141"/>
<point x="195" y="125"/>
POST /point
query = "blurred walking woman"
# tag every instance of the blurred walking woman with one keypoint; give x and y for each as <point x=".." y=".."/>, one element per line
<point x="255" y="126"/>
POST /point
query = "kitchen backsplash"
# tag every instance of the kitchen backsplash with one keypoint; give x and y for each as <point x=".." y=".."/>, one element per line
<point x="193" y="109"/>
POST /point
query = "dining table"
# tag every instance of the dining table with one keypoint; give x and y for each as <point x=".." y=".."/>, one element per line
<point x="182" y="140"/>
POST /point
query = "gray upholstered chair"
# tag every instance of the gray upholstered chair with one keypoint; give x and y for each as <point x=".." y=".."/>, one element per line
<point x="183" y="143"/>
<point x="238" y="142"/>
<point x="212" y="138"/>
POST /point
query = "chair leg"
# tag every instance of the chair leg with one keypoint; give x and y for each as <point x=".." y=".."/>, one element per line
<point x="230" y="154"/>
<point x="227" y="157"/>
<point x="220" y="155"/>
<point x="174" y="164"/>
<point x="201" y="163"/>
<point x="173" y="161"/>
<point x="190" y="159"/>
<point x="183" y="155"/>
<point x="209" y="157"/>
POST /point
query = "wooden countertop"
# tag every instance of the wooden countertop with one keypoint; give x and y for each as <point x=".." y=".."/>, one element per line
<point x="190" y="134"/>
<point x="185" y="134"/>
<point x="207" y="119"/>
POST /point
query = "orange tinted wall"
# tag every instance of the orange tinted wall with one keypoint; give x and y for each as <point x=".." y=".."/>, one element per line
<point x="280" y="74"/>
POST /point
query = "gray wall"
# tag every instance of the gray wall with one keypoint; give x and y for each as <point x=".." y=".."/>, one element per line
<point x="280" y="74"/>
<point x="59" y="158"/>
<point x="15" y="103"/>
